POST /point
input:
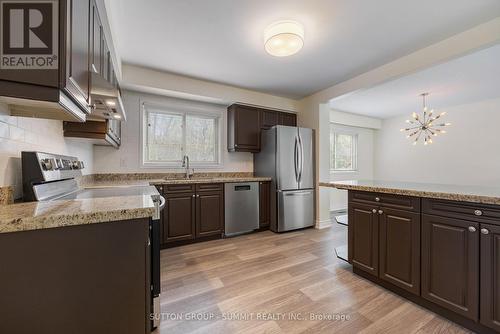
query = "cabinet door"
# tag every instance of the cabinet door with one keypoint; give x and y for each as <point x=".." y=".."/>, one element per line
<point x="77" y="78"/>
<point x="209" y="213"/>
<point x="450" y="264"/>
<point x="105" y="58"/>
<point x="287" y="119"/>
<point x="490" y="276"/>
<point x="243" y="129"/>
<point x="268" y="118"/>
<point x="180" y="217"/>
<point x="363" y="237"/>
<point x="97" y="56"/>
<point x="264" y="204"/>
<point x="400" y="248"/>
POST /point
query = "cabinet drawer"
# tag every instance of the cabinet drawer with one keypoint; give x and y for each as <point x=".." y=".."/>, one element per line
<point x="399" y="202"/>
<point x="178" y="188"/>
<point x="209" y="187"/>
<point x="462" y="210"/>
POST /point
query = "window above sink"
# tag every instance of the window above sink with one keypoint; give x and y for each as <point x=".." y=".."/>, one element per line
<point x="170" y="132"/>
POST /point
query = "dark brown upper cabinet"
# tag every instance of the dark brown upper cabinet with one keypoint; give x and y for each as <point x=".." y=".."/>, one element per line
<point x="363" y="237"/>
<point x="243" y="128"/>
<point x="65" y="92"/>
<point x="97" y="55"/>
<point x="287" y="119"/>
<point x="264" y="204"/>
<point x="244" y="124"/>
<point x="76" y="81"/>
<point x="399" y="260"/>
<point x="102" y="133"/>
<point x="490" y="276"/>
<point x="450" y="264"/>
<point x="268" y="118"/>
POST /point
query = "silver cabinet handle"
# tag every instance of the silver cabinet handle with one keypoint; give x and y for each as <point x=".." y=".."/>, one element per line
<point x="380" y="212"/>
<point x="472" y="229"/>
<point x="478" y="212"/>
<point x="377" y="199"/>
<point x="485" y="231"/>
<point x="197" y="195"/>
<point x="194" y="196"/>
<point x="374" y="210"/>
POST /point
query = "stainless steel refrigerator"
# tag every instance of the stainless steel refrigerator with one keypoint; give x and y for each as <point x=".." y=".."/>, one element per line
<point x="287" y="155"/>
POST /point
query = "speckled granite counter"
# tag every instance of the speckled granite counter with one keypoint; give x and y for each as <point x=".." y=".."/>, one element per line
<point x="211" y="180"/>
<point x="131" y="179"/>
<point x="475" y="194"/>
<point x="42" y="215"/>
<point x="50" y="214"/>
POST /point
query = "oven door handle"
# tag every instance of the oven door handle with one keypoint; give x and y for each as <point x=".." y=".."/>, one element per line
<point x="162" y="203"/>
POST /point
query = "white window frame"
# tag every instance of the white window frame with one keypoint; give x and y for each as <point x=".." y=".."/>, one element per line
<point x="354" y="150"/>
<point x="183" y="108"/>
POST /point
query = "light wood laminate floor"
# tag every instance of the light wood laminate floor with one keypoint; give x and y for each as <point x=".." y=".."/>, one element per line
<point x="280" y="283"/>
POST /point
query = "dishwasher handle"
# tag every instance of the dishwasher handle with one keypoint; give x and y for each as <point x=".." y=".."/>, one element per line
<point x="242" y="187"/>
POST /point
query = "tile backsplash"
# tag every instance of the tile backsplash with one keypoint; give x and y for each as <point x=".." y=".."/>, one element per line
<point x="31" y="134"/>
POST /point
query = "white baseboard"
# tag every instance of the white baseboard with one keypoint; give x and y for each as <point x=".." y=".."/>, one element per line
<point x="321" y="224"/>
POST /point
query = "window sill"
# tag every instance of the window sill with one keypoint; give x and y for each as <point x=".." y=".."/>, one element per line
<point x="334" y="171"/>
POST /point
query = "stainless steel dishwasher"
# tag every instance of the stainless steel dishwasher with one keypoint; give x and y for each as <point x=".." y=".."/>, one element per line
<point x="241" y="207"/>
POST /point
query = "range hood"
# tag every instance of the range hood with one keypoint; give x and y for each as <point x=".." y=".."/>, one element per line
<point x="106" y="99"/>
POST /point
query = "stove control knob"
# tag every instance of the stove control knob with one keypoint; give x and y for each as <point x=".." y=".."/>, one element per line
<point x="59" y="164"/>
<point x="75" y="165"/>
<point x="46" y="164"/>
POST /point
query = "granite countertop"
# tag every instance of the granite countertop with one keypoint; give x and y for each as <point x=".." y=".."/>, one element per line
<point x="58" y="213"/>
<point x="163" y="181"/>
<point x="210" y="180"/>
<point x="475" y="194"/>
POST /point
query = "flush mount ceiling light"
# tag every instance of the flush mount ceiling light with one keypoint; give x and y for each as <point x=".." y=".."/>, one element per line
<point x="284" y="38"/>
<point x="424" y="126"/>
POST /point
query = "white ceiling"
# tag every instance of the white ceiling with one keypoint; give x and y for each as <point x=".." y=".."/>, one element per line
<point x="221" y="40"/>
<point x="468" y="79"/>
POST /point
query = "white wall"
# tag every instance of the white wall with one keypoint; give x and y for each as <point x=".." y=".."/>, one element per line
<point x="151" y="81"/>
<point x="469" y="154"/>
<point x="128" y="159"/>
<point x="338" y="198"/>
<point x="31" y="134"/>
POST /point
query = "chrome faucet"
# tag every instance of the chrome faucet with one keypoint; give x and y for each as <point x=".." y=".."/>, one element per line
<point x="185" y="164"/>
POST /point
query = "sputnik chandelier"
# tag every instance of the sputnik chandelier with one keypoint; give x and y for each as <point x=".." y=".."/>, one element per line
<point x="424" y="126"/>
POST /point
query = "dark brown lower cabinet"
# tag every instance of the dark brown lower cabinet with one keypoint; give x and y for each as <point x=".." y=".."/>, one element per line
<point x="264" y="204"/>
<point x="363" y="237"/>
<point x="209" y="213"/>
<point x="192" y="212"/>
<point x="179" y="217"/>
<point x="91" y="278"/>
<point x="399" y="258"/>
<point x="490" y="276"/>
<point x="450" y="264"/>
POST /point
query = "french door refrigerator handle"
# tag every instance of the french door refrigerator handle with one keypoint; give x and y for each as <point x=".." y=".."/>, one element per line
<point x="301" y="165"/>
<point x="295" y="159"/>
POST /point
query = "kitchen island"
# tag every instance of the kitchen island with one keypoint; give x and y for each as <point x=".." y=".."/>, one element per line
<point x="437" y="245"/>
